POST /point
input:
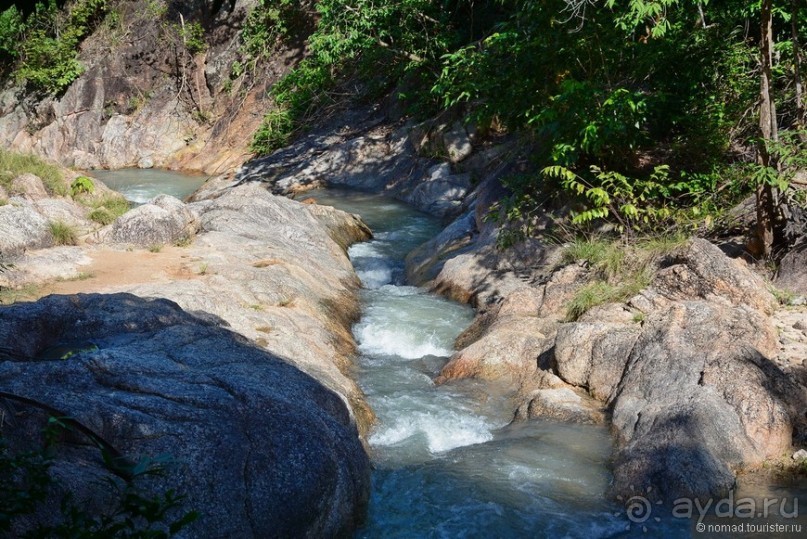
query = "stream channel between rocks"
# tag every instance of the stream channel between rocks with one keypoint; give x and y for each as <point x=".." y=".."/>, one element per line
<point x="447" y="460"/>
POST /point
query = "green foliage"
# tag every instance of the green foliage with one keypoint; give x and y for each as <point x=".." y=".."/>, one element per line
<point x="45" y="45"/>
<point x="106" y="210"/>
<point x="12" y="164"/>
<point x="81" y="184"/>
<point x="63" y="234"/>
<point x="619" y="270"/>
<point x="11" y="26"/>
<point x="193" y="36"/>
<point x="136" y="509"/>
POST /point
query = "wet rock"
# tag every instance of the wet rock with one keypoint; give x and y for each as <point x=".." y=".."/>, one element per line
<point x="561" y="404"/>
<point x="441" y="192"/>
<point x="258" y="444"/>
<point x="699" y="398"/>
<point x="164" y="220"/>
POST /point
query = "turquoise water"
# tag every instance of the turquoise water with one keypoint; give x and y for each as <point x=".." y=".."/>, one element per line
<point x="447" y="463"/>
<point x="141" y="185"/>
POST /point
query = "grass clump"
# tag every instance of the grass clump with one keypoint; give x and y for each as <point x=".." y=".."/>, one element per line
<point x="13" y="164"/>
<point x="63" y="234"/>
<point x="108" y="209"/>
<point x="155" y="248"/>
<point x="620" y="270"/>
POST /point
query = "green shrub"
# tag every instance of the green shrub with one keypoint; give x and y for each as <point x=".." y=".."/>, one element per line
<point x="47" y="51"/>
<point x="193" y="36"/>
<point x="82" y="184"/>
<point x="63" y="234"/>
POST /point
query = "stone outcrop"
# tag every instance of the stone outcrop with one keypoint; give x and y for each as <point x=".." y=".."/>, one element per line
<point x="22" y="228"/>
<point x="150" y="102"/>
<point x="374" y="154"/>
<point x="258" y="445"/>
<point x="164" y="220"/>
<point x="687" y="369"/>
<point x="282" y="403"/>
<point x="792" y="273"/>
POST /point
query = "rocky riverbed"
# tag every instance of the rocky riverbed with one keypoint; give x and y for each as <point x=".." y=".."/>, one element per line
<point x="240" y="369"/>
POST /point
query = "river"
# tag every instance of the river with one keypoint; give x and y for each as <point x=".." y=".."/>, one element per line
<point x="447" y="460"/>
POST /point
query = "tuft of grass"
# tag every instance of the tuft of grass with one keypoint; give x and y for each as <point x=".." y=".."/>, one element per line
<point x="81" y="276"/>
<point x="184" y="241"/>
<point x="256" y="307"/>
<point x="106" y="210"/>
<point x="620" y="270"/>
<point x="264" y="329"/>
<point x="63" y="234"/>
<point x="783" y="297"/>
<point x="155" y="248"/>
<point x="203" y="268"/>
<point x="606" y="257"/>
<point x="13" y="295"/>
<point x="12" y="164"/>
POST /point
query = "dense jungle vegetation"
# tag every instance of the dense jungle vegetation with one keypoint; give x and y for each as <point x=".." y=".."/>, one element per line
<point x="651" y="113"/>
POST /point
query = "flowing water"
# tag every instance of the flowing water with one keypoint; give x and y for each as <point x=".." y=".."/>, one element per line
<point x="446" y="462"/>
<point x="141" y="185"/>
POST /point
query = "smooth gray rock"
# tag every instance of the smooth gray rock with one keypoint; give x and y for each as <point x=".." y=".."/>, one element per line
<point x="29" y="186"/>
<point x="22" y="228"/>
<point x="260" y="447"/>
<point x="164" y="220"/>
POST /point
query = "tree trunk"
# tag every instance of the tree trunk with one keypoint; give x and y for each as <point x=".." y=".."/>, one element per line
<point x="794" y="28"/>
<point x="765" y="204"/>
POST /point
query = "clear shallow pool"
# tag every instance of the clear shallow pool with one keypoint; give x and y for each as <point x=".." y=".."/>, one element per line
<point x="141" y="185"/>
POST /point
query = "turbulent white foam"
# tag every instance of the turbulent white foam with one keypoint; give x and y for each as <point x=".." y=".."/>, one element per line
<point x="363" y="250"/>
<point x="400" y="291"/>
<point x="375" y="277"/>
<point x="397" y="341"/>
<point x="443" y="431"/>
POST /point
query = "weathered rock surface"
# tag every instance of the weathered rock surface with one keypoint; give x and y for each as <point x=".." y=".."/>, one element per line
<point x="260" y="447"/>
<point x="28" y="186"/>
<point x="164" y="220"/>
<point x="22" y="228"/>
<point x="374" y="154"/>
<point x="148" y="101"/>
<point x="793" y="270"/>
<point x="687" y="368"/>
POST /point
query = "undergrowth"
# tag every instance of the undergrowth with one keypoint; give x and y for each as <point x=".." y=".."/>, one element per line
<point x="619" y="270"/>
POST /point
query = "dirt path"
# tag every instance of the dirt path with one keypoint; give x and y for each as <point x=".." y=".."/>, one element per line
<point x="112" y="269"/>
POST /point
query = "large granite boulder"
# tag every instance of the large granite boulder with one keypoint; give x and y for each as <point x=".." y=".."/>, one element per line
<point x="164" y="220"/>
<point x="261" y="448"/>
<point x="22" y="228"/>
